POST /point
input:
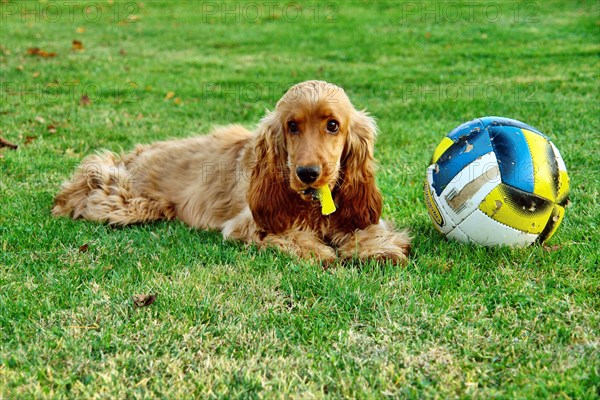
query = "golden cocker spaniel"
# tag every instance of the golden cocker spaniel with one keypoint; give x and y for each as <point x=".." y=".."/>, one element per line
<point x="256" y="187"/>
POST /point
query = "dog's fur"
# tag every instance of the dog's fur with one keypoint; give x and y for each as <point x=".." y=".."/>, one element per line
<point x="246" y="184"/>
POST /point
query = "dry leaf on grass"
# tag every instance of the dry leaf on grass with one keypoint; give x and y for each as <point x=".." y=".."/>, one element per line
<point x="85" y="100"/>
<point x="143" y="300"/>
<point x="5" y="143"/>
<point x="553" y="247"/>
<point x="77" y="45"/>
<point x="36" y="51"/>
<point x="51" y="128"/>
<point x="84" y="248"/>
<point x="169" y="95"/>
<point x="29" y="139"/>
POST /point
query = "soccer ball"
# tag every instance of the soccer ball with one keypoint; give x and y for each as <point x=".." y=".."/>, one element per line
<point x="496" y="181"/>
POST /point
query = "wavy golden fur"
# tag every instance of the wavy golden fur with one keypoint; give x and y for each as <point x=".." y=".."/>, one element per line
<point x="255" y="187"/>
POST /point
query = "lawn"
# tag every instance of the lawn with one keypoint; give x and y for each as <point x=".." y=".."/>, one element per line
<point x="230" y="321"/>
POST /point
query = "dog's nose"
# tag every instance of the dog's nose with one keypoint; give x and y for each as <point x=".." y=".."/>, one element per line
<point x="308" y="174"/>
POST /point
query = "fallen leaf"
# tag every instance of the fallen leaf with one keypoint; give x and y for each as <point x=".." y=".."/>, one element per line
<point x="143" y="300"/>
<point x="36" y="74"/>
<point x="51" y="128"/>
<point x="40" y="119"/>
<point x="169" y="95"/>
<point x="29" y="139"/>
<point x="122" y="52"/>
<point x="85" y="100"/>
<point x="177" y="100"/>
<point x="20" y="67"/>
<point x="77" y="45"/>
<point x="554" y="247"/>
<point x="80" y="29"/>
<point x="84" y="248"/>
<point x="4" y="143"/>
<point x="36" y="51"/>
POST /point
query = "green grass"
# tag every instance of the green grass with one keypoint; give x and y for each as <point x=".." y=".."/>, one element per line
<point x="232" y="322"/>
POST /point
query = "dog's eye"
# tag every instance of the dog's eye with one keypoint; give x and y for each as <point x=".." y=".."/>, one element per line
<point x="333" y="126"/>
<point x="293" y="127"/>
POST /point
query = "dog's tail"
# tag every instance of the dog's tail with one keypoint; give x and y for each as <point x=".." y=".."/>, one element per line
<point x="102" y="189"/>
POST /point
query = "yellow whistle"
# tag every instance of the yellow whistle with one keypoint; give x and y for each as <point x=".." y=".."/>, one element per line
<point x="324" y="196"/>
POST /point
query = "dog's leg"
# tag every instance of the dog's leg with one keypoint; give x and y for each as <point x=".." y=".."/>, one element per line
<point x="380" y="242"/>
<point x="301" y="243"/>
<point x="102" y="190"/>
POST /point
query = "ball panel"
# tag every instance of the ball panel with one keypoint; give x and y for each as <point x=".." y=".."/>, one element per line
<point x="458" y="235"/>
<point x="468" y="188"/>
<point x="562" y="192"/>
<point x="481" y="229"/>
<point x="559" y="160"/>
<point x="514" y="157"/>
<point x="517" y="209"/>
<point x="501" y="121"/>
<point x="465" y="129"/>
<point x="460" y="154"/>
<point x="442" y="147"/>
<point x="545" y="167"/>
<point x="554" y="221"/>
<point x="441" y="221"/>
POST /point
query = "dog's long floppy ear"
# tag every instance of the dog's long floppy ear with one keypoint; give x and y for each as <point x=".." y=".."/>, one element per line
<point x="272" y="202"/>
<point x="358" y="198"/>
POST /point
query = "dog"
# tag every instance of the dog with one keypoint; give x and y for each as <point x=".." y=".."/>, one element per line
<point x="258" y="187"/>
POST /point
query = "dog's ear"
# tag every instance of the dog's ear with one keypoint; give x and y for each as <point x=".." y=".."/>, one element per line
<point x="358" y="198"/>
<point x="272" y="202"/>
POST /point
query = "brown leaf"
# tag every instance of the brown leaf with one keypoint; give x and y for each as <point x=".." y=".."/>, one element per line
<point x="554" y="247"/>
<point x="122" y="52"/>
<point x="36" y="51"/>
<point x="77" y="45"/>
<point x="4" y="143"/>
<point x="169" y="95"/>
<point x="29" y="139"/>
<point x="84" y="248"/>
<point x="85" y="100"/>
<point x="36" y="74"/>
<point x="80" y="29"/>
<point x="143" y="300"/>
<point x="51" y="128"/>
<point x="177" y="100"/>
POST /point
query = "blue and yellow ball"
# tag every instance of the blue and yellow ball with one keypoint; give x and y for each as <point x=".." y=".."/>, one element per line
<point x="496" y="181"/>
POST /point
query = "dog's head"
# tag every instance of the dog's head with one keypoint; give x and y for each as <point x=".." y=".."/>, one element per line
<point x="316" y="137"/>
